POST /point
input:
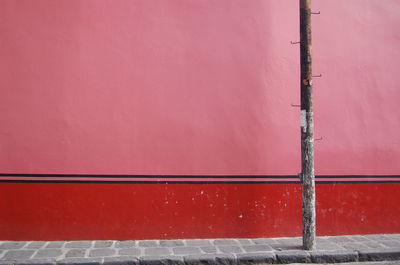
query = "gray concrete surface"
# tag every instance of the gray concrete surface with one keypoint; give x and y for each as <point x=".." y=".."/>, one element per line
<point x="335" y="249"/>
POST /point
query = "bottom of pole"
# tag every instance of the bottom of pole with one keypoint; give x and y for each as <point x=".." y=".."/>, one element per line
<point x="309" y="222"/>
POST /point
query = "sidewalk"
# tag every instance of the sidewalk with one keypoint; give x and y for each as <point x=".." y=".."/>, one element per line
<point x="201" y="251"/>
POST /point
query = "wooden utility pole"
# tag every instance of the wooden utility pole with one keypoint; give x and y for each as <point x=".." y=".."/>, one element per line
<point x="307" y="127"/>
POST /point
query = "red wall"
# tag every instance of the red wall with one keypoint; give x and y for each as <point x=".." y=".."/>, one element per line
<point x="193" y="87"/>
<point x="154" y="211"/>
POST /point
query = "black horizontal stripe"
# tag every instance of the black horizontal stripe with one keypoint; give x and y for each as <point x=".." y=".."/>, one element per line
<point x="357" y="182"/>
<point x="357" y="176"/>
<point x="152" y="182"/>
<point x="145" y="176"/>
<point x="188" y="176"/>
<point x="183" y="179"/>
<point x="191" y="182"/>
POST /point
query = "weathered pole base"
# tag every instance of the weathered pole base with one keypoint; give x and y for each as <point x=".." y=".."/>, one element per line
<point x="308" y="202"/>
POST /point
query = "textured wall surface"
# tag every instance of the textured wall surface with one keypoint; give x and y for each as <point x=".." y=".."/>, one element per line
<point x="194" y="87"/>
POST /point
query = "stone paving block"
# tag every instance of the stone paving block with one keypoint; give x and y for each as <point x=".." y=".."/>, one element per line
<point x="157" y="252"/>
<point x="290" y="241"/>
<point x="355" y="246"/>
<point x="225" y="259"/>
<point x="209" y="259"/>
<point x="125" y="244"/>
<point x="321" y="240"/>
<point x="371" y="263"/>
<point x="55" y="244"/>
<point x="221" y="242"/>
<point x="359" y="238"/>
<point x="186" y="250"/>
<point x="378" y="254"/>
<point x="283" y="247"/>
<point x="230" y="249"/>
<point x="339" y="239"/>
<point x="171" y="243"/>
<point x="373" y="244"/>
<point x="264" y="241"/>
<point x="36" y="262"/>
<point x="75" y="253"/>
<point x="377" y="237"/>
<point x="47" y="253"/>
<point x="390" y="243"/>
<point x="393" y="236"/>
<point x="287" y="257"/>
<point x="129" y="251"/>
<point x="103" y="244"/>
<point x="328" y="246"/>
<point x="20" y="254"/>
<point x="243" y="241"/>
<point x="256" y="258"/>
<point x="78" y="244"/>
<point x="166" y="260"/>
<point x="198" y="242"/>
<point x="149" y="243"/>
<point x="126" y="260"/>
<point x="35" y="244"/>
<point x="102" y="252"/>
<point x="333" y="256"/>
<point x="80" y="261"/>
<point x="6" y="262"/>
<point x="12" y="245"/>
<point x="209" y="249"/>
<point x="257" y="248"/>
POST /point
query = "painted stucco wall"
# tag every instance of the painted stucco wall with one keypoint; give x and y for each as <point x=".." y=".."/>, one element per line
<point x="169" y="87"/>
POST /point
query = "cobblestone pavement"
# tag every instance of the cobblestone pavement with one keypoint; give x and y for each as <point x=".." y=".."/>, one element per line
<point x="202" y="251"/>
<point x="357" y="263"/>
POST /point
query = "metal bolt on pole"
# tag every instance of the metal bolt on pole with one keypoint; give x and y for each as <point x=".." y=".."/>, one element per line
<point x="307" y="127"/>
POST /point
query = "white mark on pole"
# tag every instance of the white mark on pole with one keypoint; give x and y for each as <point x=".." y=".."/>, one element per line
<point x="303" y="120"/>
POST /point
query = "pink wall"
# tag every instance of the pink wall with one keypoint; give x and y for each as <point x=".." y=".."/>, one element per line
<point x="194" y="87"/>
